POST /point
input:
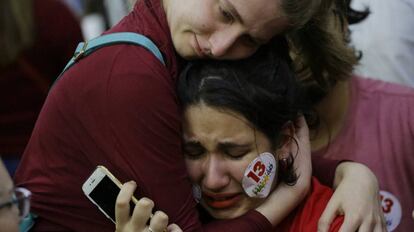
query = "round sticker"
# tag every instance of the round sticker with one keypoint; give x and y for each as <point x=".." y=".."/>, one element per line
<point x="392" y="210"/>
<point x="259" y="175"/>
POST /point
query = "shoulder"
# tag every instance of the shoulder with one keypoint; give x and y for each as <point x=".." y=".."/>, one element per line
<point x="392" y="103"/>
<point x="389" y="100"/>
<point x="116" y="77"/>
<point x="137" y="72"/>
<point x="122" y="63"/>
<point x="378" y="87"/>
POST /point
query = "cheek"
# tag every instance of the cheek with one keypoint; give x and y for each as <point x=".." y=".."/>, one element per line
<point x="9" y="221"/>
<point x="194" y="21"/>
<point x="194" y="170"/>
<point x="238" y="169"/>
<point x="240" y="51"/>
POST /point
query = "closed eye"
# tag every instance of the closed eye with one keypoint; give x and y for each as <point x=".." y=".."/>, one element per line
<point x="226" y="15"/>
<point x="236" y="153"/>
<point x="193" y="150"/>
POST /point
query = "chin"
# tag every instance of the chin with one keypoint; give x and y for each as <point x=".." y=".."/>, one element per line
<point x="188" y="55"/>
<point x="182" y="49"/>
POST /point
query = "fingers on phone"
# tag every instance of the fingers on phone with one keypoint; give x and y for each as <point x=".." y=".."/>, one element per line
<point x="122" y="202"/>
<point x="125" y="195"/>
<point x="142" y="211"/>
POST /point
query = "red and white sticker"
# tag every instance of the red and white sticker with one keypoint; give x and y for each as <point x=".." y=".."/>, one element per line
<point x="259" y="176"/>
<point x="392" y="210"/>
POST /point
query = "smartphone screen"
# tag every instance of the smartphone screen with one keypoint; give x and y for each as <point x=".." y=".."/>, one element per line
<point x="105" y="194"/>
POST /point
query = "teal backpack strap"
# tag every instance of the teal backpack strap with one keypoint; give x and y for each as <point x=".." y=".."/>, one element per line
<point x="27" y="223"/>
<point x="86" y="48"/>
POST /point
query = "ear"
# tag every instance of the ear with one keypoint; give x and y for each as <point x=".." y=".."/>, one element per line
<point x="287" y="133"/>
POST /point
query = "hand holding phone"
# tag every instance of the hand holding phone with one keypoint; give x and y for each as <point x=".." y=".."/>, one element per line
<point x="102" y="188"/>
<point x="142" y="218"/>
<point x="111" y="197"/>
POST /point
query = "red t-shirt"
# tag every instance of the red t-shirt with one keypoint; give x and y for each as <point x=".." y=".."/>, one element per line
<point x="118" y="108"/>
<point x="306" y="216"/>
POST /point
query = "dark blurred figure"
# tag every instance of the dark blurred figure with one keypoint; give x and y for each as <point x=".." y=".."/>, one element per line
<point x="37" y="38"/>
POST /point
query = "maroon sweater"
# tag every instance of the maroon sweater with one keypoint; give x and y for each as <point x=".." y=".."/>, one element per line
<point x="25" y="82"/>
<point x="118" y="108"/>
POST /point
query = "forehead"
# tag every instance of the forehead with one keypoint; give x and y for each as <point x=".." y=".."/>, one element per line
<point x="207" y="122"/>
<point x="262" y="18"/>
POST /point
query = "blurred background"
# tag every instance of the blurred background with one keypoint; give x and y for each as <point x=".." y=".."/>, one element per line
<point x="96" y="16"/>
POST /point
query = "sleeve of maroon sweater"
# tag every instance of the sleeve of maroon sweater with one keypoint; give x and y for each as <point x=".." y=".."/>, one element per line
<point x="141" y="124"/>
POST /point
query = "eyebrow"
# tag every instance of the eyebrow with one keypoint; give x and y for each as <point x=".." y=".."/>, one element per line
<point x="220" y="146"/>
<point x="233" y="10"/>
<point x="192" y="143"/>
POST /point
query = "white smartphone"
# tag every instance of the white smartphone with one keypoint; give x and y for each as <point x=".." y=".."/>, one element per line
<point x="102" y="188"/>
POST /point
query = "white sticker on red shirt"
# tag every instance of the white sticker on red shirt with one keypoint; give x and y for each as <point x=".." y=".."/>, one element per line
<point x="259" y="176"/>
<point x="392" y="210"/>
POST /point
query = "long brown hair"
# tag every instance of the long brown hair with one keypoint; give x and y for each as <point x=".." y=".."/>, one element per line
<point x="16" y="28"/>
<point x="319" y="44"/>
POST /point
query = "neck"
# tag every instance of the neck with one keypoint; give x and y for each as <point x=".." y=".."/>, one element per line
<point x="332" y="112"/>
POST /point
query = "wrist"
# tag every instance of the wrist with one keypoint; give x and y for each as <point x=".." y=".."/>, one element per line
<point x="286" y="198"/>
<point x="352" y="170"/>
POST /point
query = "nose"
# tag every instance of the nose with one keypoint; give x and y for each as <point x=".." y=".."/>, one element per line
<point x="221" y="41"/>
<point x="215" y="175"/>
